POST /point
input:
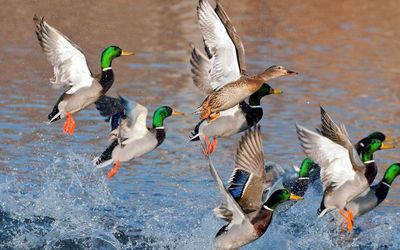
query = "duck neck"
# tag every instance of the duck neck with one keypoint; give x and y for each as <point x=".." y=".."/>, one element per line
<point x="301" y="185"/>
<point x="383" y="187"/>
<point x="107" y="74"/>
<point x="255" y="99"/>
<point x="158" y="125"/>
<point x="371" y="167"/>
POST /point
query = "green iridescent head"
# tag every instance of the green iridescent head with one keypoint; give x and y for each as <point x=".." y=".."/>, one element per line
<point x="367" y="140"/>
<point x="305" y="167"/>
<point x="264" y="90"/>
<point x="110" y="53"/>
<point x="161" y="113"/>
<point x="279" y="196"/>
<point x="391" y="173"/>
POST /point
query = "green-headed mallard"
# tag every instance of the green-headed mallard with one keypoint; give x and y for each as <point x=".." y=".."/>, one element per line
<point x="130" y="137"/>
<point x="71" y="71"/>
<point x="365" y="152"/>
<point x="248" y="216"/>
<point x="223" y="77"/>
<point x="375" y="194"/>
<point x="343" y="173"/>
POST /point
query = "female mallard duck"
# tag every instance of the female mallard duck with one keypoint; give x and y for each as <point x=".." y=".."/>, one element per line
<point x="223" y="77"/>
<point x="375" y="194"/>
<point x="210" y="73"/>
<point x="364" y="150"/>
<point x="248" y="217"/>
<point x="343" y="173"/>
<point x="130" y="137"/>
<point x="71" y="70"/>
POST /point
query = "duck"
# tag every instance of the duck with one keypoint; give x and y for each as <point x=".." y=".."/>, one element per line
<point x="71" y="71"/>
<point x="343" y="173"/>
<point x="247" y="215"/>
<point x="364" y="151"/>
<point x="221" y="35"/>
<point x="223" y="75"/>
<point x="130" y="137"/>
<point x="375" y="194"/>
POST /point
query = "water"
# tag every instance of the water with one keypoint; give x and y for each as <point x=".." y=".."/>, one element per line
<point x="52" y="198"/>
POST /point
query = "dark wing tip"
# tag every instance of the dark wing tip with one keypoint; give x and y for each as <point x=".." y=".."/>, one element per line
<point x="109" y="106"/>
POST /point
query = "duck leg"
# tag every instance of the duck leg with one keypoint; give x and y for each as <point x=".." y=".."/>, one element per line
<point x="69" y="125"/>
<point x="350" y="222"/>
<point x="213" y="117"/>
<point x="114" y="170"/>
<point x="213" y="145"/>
<point x="348" y="216"/>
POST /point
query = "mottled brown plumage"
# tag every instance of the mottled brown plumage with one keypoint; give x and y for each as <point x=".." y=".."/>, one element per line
<point x="237" y="91"/>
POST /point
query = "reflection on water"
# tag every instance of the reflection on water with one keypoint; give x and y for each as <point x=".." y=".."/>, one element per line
<point x="347" y="53"/>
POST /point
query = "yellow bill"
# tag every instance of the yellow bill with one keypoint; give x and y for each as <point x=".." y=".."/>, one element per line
<point x="127" y="53"/>
<point x="295" y="197"/>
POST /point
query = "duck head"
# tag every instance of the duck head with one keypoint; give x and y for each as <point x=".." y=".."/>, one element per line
<point x="264" y="90"/>
<point x="306" y="167"/>
<point x="275" y="71"/>
<point x="371" y="146"/>
<point x="110" y="53"/>
<point x="161" y="113"/>
<point x="367" y="140"/>
<point x="279" y="196"/>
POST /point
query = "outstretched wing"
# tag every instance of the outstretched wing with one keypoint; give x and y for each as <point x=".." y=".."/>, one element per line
<point x="127" y="117"/>
<point x="249" y="178"/>
<point x="339" y="135"/>
<point x="69" y="62"/>
<point x="222" y="51"/>
<point x="229" y="202"/>
<point x="334" y="159"/>
<point x="201" y="68"/>
<point x="234" y="37"/>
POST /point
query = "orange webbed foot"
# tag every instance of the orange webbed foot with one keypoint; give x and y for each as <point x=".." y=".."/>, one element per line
<point x="69" y="125"/>
<point x="209" y="148"/>
<point x="114" y="170"/>
<point x="350" y="220"/>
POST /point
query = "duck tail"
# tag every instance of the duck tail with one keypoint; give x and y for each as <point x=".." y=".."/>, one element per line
<point x="196" y="133"/>
<point x="54" y="116"/>
<point x="106" y="157"/>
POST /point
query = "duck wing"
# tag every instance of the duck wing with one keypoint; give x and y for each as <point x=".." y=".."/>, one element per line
<point x="249" y="178"/>
<point x="339" y="135"/>
<point x="219" y="46"/>
<point x="229" y="202"/>
<point x="201" y="68"/>
<point x="234" y="37"/>
<point x="334" y="159"/>
<point x="68" y="61"/>
<point x="127" y="118"/>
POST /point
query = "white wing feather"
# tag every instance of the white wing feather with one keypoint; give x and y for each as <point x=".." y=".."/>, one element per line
<point x="224" y="61"/>
<point x="136" y="127"/>
<point x="334" y="160"/>
<point x="237" y="213"/>
<point x="67" y="59"/>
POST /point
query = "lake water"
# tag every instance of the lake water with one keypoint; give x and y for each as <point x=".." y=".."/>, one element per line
<point x="347" y="53"/>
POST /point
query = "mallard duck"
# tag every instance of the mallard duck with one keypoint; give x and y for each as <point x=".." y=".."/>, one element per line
<point x="130" y="137"/>
<point x="375" y="194"/>
<point x="223" y="77"/>
<point x="248" y="217"/>
<point x="71" y="71"/>
<point x="343" y="173"/>
<point x="209" y="73"/>
<point x="365" y="152"/>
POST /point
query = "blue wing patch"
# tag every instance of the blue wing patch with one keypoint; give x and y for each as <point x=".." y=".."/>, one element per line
<point x="237" y="182"/>
<point x="115" y="120"/>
